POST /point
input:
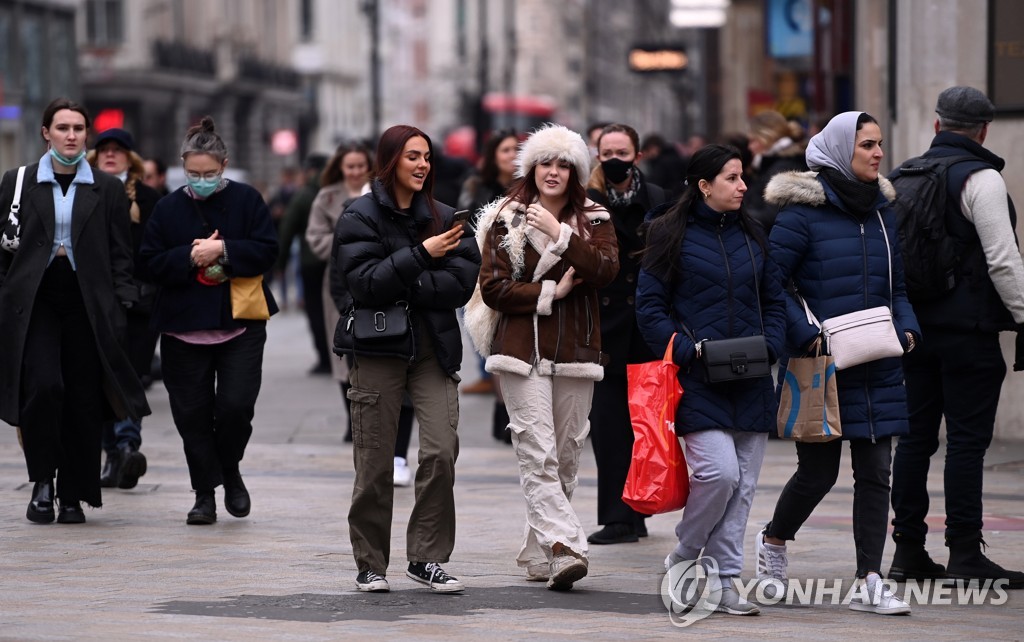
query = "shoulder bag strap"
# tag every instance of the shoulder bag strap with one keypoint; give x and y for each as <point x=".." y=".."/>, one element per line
<point x="757" y="281"/>
<point x="16" y="202"/>
<point x="888" y="254"/>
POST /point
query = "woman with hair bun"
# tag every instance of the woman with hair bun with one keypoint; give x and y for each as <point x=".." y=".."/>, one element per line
<point x="200" y="237"/>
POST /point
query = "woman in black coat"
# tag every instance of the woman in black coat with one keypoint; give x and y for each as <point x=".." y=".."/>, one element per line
<point x="63" y="293"/>
<point x="398" y="247"/>
<point x="618" y="184"/>
<point x="199" y="239"/>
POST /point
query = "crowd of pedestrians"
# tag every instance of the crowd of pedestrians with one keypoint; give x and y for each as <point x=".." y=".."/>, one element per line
<point x="572" y="258"/>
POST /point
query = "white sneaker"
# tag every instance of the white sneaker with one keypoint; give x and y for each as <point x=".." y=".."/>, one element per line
<point x="566" y="570"/>
<point x="539" y="572"/>
<point x="873" y="596"/>
<point x="772" y="562"/>
<point x="403" y="476"/>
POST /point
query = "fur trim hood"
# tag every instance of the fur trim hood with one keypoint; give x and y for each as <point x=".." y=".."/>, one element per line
<point x="804" y="188"/>
<point x="554" y="141"/>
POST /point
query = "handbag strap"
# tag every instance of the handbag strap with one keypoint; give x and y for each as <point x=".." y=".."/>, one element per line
<point x="668" y="348"/>
<point x="888" y="254"/>
<point x="813" y="320"/>
<point x="16" y="203"/>
<point x="757" y="281"/>
<point x="757" y="291"/>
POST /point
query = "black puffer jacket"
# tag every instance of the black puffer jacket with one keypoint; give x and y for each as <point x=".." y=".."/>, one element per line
<point x="381" y="260"/>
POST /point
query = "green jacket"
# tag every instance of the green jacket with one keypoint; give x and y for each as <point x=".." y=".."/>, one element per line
<point x="294" y="224"/>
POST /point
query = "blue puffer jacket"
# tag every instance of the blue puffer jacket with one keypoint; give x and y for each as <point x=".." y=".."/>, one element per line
<point x="716" y="297"/>
<point x="838" y="262"/>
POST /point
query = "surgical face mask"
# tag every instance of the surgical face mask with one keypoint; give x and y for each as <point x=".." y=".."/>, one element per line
<point x="616" y="170"/>
<point x="64" y="160"/>
<point x="204" y="186"/>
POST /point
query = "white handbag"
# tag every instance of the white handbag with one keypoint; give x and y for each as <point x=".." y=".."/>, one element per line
<point x="864" y="335"/>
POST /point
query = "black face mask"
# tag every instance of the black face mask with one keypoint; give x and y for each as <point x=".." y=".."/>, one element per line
<point x="616" y="170"/>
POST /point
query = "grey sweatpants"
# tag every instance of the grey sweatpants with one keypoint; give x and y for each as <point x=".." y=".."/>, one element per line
<point x="725" y="465"/>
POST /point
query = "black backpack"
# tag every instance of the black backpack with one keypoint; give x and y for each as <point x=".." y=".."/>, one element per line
<point x="931" y="253"/>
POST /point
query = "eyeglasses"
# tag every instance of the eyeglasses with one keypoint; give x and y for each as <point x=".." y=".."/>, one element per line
<point x="207" y="176"/>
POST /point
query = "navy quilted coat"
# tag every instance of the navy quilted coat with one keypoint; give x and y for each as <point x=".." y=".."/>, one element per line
<point x="837" y="260"/>
<point x="716" y="297"/>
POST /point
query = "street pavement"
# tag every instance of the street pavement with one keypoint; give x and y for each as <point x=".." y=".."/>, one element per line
<point x="135" y="571"/>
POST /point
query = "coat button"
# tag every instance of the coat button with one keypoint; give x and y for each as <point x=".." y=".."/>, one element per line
<point x="630" y="278"/>
<point x="605" y="300"/>
<point x="630" y="299"/>
<point x="20" y="310"/>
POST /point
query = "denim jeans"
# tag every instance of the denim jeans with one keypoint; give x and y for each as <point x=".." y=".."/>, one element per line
<point x="956" y="375"/>
<point x="212" y="390"/>
<point x="816" y="473"/>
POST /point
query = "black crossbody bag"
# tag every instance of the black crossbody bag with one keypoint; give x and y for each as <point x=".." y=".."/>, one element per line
<point x="738" y="358"/>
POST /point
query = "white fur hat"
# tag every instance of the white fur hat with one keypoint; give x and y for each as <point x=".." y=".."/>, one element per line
<point x="554" y="141"/>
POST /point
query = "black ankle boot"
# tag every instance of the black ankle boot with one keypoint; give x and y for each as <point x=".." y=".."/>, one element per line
<point x="912" y="562"/>
<point x="205" y="509"/>
<point x="70" y="513"/>
<point x="40" y="507"/>
<point x="236" y="496"/>
<point x="111" y="470"/>
<point x="968" y="562"/>
<point x="133" y="466"/>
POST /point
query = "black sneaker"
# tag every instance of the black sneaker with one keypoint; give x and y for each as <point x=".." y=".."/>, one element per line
<point x="431" y="574"/>
<point x="372" y="583"/>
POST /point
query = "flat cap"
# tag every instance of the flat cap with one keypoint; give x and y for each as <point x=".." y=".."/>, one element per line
<point x="965" y="105"/>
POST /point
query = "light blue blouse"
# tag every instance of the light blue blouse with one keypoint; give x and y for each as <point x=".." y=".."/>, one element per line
<point x="63" y="203"/>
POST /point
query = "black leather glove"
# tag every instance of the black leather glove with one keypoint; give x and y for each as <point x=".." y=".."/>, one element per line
<point x="1018" y="353"/>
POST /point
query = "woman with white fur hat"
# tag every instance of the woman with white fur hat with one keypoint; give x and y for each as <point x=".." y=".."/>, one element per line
<point x="546" y="250"/>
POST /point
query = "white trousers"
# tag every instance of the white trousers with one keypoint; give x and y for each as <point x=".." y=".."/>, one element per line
<point x="549" y="420"/>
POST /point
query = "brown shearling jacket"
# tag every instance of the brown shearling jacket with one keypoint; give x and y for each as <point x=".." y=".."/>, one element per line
<point x="521" y="266"/>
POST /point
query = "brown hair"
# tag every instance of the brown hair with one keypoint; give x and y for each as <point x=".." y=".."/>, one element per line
<point x="524" y="190"/>
<point x="332" y="171"/>
<point x="597" y="180"/>
<point x="389" y="152"/>
<point x="58" y="104"/>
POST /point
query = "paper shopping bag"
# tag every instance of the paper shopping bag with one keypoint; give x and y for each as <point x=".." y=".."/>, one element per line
<point x="809" y="406"/>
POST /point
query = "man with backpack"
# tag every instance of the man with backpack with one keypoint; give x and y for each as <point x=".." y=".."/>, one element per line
<point x="966" y="282"/>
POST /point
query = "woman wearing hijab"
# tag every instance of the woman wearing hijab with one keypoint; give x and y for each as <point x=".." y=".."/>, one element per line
<point x="829" y="244"/>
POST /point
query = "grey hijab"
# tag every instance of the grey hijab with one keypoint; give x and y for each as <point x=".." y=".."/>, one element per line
<point x="833" y="145"/>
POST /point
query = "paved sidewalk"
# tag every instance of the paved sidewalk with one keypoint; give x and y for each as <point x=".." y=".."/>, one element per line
<point x="136" y="571"/>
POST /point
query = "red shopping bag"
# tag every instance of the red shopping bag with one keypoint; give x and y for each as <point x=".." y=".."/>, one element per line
<point x="658" y="481"/>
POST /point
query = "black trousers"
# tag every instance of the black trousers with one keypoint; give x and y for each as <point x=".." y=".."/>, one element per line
<point x="212" y="391"/>
<point x="956" y="375"/>
<point x="62" y="401"/>
<point x="816" y="473"/>
<point x="313" y="295"/>
<point x="140" y="344"/>
<point x="611" y="433"/>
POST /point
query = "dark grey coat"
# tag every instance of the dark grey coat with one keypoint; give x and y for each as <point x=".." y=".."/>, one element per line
<point x="101" y="238"/>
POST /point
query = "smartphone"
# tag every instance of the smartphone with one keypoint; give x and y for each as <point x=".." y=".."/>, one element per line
<point x="462" y="216"/>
